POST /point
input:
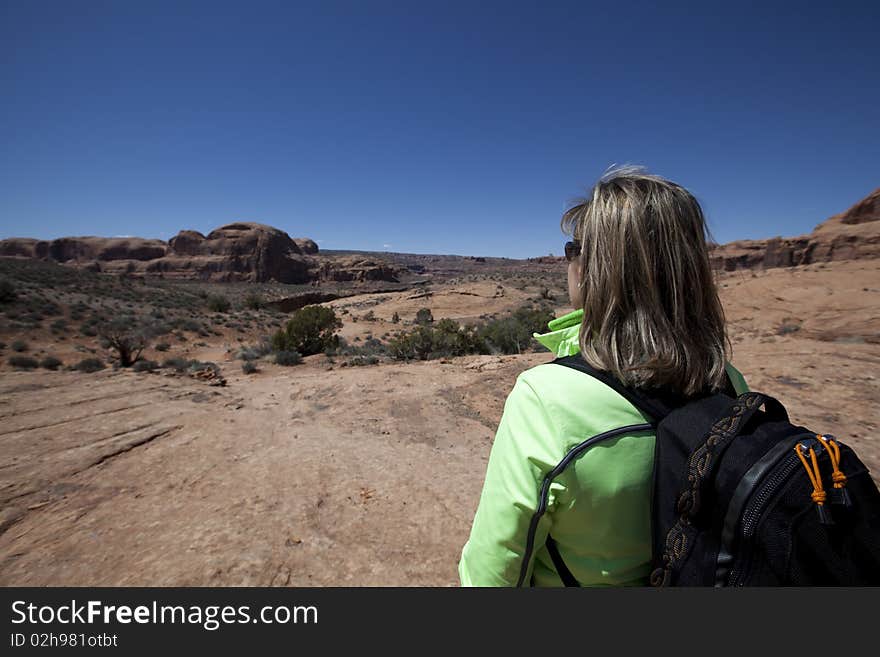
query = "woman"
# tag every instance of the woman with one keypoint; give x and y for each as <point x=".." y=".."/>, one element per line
<point x="648" y="312"/>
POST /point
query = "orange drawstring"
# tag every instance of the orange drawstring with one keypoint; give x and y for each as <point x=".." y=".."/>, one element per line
<point x="839" y="494"/>
<point x="834" y="452"/>
<point x="818" y="495"/>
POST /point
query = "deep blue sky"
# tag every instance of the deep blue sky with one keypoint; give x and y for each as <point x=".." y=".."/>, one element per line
<point x="428" y="127"/>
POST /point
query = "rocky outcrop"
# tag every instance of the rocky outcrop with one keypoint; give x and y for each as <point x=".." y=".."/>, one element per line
<point x="853" y="234"/>
<point x="240" y="251"/>
<point x="356" y="268"/>
<point x="306" y="245"/>
<point x="865" y="211"/>
<point x="186" y="242"/>
<point x="76" y="249"/>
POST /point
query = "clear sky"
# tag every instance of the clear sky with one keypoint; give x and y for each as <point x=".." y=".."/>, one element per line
<point x="428" y="127"/>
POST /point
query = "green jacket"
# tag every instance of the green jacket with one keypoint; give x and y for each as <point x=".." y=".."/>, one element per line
<point x="597" y="506"/>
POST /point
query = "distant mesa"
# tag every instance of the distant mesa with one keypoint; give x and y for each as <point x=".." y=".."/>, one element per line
<point x="850" y="235"/>
<point x="245" y="251"/>
<point x="240" y="251"/>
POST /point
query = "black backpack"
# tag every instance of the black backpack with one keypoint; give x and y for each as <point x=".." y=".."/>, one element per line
<point x="742" y="497"/>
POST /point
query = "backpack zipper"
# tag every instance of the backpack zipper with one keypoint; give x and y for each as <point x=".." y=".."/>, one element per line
<point x="758" y="502"/>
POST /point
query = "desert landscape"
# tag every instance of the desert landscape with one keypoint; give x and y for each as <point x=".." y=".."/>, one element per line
<point x="223" y="457"/>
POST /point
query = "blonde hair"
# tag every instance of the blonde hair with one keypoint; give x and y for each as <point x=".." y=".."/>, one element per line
<point x="652" y="315"/>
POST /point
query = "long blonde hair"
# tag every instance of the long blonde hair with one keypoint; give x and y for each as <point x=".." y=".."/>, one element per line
<point x="652" y="315"/>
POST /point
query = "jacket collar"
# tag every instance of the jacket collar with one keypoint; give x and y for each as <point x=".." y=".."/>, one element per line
<point x="562" y="339"/>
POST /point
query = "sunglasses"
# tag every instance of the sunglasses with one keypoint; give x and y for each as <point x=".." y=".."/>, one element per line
<point x="572" y="250"/>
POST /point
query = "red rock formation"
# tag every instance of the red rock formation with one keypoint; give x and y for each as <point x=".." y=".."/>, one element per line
<point x="306" y="245"/>
<point x="863" y="212"/>
<point x="240" y="251"/>
<point x="850" y="235"/>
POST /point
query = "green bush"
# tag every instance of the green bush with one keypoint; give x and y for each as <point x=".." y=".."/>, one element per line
<point x="309" y="331"/>
<point x="248" y="367"/>
<point x="254" y="302"/>
<point x="163" y="346"/>
<point x="255" y="351"/>
<point x="218" y="304"/>
<point x="89" y="365"/>
<point x="444" y="339"/>
<point x="23" y="362"/>
<point x="7" y="291"/>
<point x="145" y="366"/>
<point x="395" y="318"/>
<point x="50" y="363"/>
<point x="513" y="334"/>
<point x="19" y="345"/>
<point x="424" y="316"/>
<point x="288" y="358"/>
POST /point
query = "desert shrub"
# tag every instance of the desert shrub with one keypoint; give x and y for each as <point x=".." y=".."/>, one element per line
<point x="424" y="316"/>
<point x="188" y="324"/>
<point x="45" y="308"/>
<point x="23" y="362"/>
<point x="417" y="344"/>
<point x="369" y="316"/>
<point x="248" y="367"/>
<point x="513" y="334"/>
<point x="145" y="366"/>
<point x="395" y="318"/>
<point x="7" y="291"/>
<point x="89" y="365"/>
<point x="444" y="339"/>
<point x="177" y="364"/>
<point x="309" y="331"/>
<point x="202" y="366"/>
<point x="50" y="363"/>
<point x="58" y="325"/>
<point x="2" y="346"/>
<point x="163" y="346"/>
<point x="218" y="303"/>
<point x="19" y="345"/>
<point x="254" y="302"/>
<point x="358" y="361"/>
<point x="288" y="358"/>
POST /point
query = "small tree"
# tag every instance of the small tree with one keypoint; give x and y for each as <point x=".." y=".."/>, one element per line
<point x="309" y="331"/>
<point x="424" y="316"/>
<point x="124" y="336"/>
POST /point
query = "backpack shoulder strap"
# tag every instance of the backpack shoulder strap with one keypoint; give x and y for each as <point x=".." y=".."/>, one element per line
<point x="657" y="405"/>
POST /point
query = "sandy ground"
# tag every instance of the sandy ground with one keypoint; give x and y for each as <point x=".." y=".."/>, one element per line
<point x="349" y="476"/>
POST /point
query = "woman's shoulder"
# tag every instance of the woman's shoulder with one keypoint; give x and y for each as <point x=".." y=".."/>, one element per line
<point x="578" y="403"/>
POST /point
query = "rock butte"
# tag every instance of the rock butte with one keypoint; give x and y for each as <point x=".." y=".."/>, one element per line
<point x="240" y="251"/>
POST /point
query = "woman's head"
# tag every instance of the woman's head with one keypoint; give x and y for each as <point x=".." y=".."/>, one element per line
<point x="652" y="315"/>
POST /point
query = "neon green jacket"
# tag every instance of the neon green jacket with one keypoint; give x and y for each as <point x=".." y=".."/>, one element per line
<point x="597" y="508"/>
